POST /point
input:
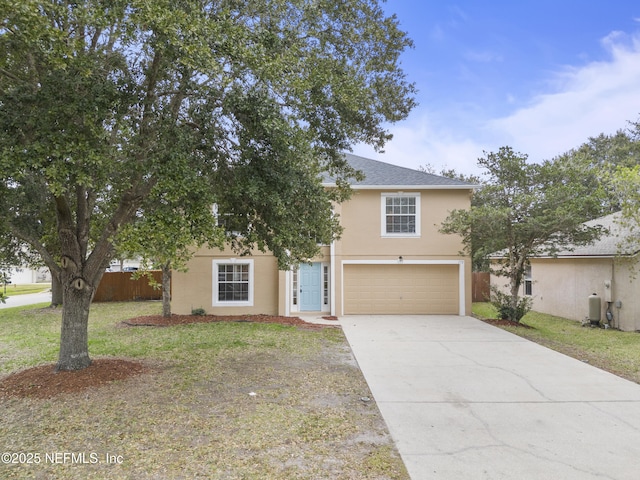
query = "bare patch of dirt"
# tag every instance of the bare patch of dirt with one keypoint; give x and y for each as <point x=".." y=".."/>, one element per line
<point x="249" y="412"/>
<point x="44" y="382"/>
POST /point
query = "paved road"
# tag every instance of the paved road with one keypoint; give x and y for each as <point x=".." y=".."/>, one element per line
<point x="27" y="299"/>
<point x="466" y="400"/>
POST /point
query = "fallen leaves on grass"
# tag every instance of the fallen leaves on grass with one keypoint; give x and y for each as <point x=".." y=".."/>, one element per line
<point x="195" y="416"/>
<point x="44" y="382"/>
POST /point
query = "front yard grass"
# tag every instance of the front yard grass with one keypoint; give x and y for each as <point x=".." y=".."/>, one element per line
<point x="220" y="401"/>
<point x="612" y="350"/>
<point x="13" y="289"/>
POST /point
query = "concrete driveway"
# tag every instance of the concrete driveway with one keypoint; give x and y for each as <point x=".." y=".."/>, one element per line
<point x="466" y="400"/>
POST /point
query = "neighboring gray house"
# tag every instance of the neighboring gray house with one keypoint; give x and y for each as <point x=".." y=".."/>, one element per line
<point x="561" y="285"/>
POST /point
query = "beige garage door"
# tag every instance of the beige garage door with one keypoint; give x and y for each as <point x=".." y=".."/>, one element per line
<point x="401" y="289"/>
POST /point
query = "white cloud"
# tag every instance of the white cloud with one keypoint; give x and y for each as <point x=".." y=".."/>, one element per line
<point x="421" y="142"/>
<point x="599" y="97"/>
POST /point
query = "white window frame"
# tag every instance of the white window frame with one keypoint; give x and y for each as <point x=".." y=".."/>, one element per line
<point x="326" y="286"/>
<point x="295" y="289"/>
<point x="232" y="261"/>
<point x="383" y="214"/>
<point x="528" y="282"/>
<point x="220" y="221"/>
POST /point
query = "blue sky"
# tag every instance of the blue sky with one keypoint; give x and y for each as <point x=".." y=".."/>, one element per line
<point x="540" y="76"/>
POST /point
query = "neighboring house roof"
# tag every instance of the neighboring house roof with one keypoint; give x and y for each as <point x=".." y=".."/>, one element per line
<point x="385" y="175"/>
<point x="613" y="241"/>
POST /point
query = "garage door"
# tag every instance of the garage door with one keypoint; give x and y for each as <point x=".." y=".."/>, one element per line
<point x="401" y="289"/>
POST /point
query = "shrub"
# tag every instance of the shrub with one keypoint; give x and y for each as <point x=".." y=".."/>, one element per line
<point x="198" y="311"/>
<point x="502" y="302"/>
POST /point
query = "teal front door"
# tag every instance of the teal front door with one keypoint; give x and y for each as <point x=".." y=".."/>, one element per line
<point x="310" y="287"/>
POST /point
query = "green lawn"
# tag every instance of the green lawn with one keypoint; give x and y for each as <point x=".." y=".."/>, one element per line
<point x="612" y="350"/>
<point x="12" y="289"/>
<point x="221" y="401"/>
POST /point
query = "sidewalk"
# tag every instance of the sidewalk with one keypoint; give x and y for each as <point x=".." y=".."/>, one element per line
<point x="27" y="299"/>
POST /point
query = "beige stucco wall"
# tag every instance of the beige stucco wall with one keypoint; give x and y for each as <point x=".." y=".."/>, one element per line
<point x="561" y="287"/>
<point x="626" y="290"/>
<point x="362" y="238"/>
<point x="361" y="219"/>
<point x="194" y="289"/>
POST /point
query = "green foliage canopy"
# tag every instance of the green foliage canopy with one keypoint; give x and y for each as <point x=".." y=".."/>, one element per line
<point x="626" y="183"/>
<point x="110" y="108"/>
<point x="526" y="209"/>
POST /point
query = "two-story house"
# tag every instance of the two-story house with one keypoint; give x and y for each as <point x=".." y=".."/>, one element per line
<point x="390" y="259"/>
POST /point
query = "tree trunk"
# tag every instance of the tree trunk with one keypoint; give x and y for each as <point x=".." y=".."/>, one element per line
<point x="166" y="290"/>
<point x="515" y="279"/>
<point x="77" y="296"/>
<point x="515" y="288"/>
<point x="74" y="339"/>
<point x="56" y="290"/>
<point x="81" y="271"/>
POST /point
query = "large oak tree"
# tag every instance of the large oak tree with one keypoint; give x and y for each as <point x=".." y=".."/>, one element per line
<point x="108" y="107"/>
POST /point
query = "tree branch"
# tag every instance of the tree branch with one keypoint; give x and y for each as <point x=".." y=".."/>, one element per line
<point x="83" y="218"/>
<point x="125" y="212"/>
<point x="66" y="231"/>
<point x="47" y="258"/>
<point x="94" y="39"/>
<point x="10" y="75"/>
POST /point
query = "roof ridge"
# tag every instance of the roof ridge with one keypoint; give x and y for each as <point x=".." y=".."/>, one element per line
<point x="378" y="173"/>
<point x="422" y="172"/>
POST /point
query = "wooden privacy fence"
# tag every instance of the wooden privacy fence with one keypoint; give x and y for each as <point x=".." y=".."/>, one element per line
<point x="120" y="287"/>
<point x="480" y="286"/>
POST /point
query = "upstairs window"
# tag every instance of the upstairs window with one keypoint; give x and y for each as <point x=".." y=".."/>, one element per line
<point x="232" y="223"/>
<point x="400" y="215"/>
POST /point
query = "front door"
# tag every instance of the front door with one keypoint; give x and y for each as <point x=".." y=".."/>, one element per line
<point x="310" y="287"/>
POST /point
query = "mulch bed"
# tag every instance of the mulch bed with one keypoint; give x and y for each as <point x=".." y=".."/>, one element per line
<point x="160" y="321"/>
<point x="44" y="382"/>
<point x="499" y="322"/>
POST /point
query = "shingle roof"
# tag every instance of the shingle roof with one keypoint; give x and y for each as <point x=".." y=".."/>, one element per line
<point x="612" y="242"/>
<point x="381" y="174"/>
